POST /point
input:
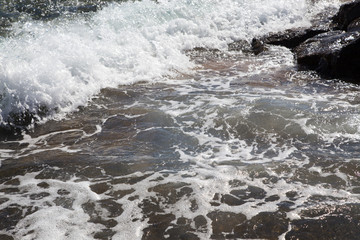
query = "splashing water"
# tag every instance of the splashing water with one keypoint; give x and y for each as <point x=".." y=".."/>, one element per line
<point x="174" y="139"/>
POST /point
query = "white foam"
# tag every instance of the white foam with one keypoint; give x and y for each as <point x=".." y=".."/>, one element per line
<point x="60" y="64"/>
<point x="56" y="223"/>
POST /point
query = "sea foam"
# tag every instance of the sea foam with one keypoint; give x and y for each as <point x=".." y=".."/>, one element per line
<point x="53" y="67"/>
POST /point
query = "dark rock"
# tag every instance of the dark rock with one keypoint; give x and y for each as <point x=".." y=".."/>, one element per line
<point x="63" y="192"/>
<point x="347" y="13"/>
<point x="43" y="185"/>
<point x="285" y="206"/>
<point x="327" y="222"/>
<point x="258" y="46"/>
<point x="231" y="200"/>
<point x="87" y="8"/>
<point x="6" y="237"/>
<point x="3" y="200"/>
<point x="265" y="225"/>
<point x="37" y="196"/>
<point x="324" y="18"/>
<point x="291" y="38"/>
<point x="224" y="222"/>
<point x="64" y="202"/>
<point x="158" y="224"/>
<point x="114" y="209"/>
<point x="272" y="198"/>
<point x="250" y="192"/>
<point x="12" y="214"/>
<point x="104" y="234"/>
<point x="335" y="54"/>
<point x="326" y="228"/>
<point x="100" y="188"/>
<point x="354" y="25"/>
<point x="200" y="222"/>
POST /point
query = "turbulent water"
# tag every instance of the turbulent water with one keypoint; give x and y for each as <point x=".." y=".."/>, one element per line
<point x="144" y="124"/>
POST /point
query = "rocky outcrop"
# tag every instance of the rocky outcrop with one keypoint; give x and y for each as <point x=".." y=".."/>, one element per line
<point x="354" y="25"/>
<point x="335" y="53"/>
<point x="346" y="14"/>
<point x="331" y="46"/>
<point x="46" y="9"/>
<point x="291" y="38"/>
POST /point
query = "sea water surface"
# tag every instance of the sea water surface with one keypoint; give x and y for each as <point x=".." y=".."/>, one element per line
<point x="144" y="124"/>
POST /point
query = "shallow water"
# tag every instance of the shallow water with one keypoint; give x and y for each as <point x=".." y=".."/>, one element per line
<point x="235" y="147"/>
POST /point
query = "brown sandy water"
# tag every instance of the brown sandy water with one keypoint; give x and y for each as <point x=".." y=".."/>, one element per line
<point x="245" y="147"/>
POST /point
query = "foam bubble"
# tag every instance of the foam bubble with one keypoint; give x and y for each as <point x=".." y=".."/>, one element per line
<point x="53" y="67"/>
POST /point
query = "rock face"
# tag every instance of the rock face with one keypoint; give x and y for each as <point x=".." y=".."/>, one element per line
<point x="335" y="53"/>
<point x="292" y="37"/>
<point x="346" y="14"/>
<point x="331" y="46"/>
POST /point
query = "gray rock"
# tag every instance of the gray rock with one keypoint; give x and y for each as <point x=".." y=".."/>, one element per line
<point x="347" y="13"/>
<point x="354" y="25"/>
<point x="291" y="38"/>
<point x="335" y="54"/>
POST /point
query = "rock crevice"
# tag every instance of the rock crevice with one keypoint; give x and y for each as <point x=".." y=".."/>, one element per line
<point x="332" y="48"/>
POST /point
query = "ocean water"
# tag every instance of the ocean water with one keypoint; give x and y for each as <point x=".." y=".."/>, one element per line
<point x="142" y="123"/>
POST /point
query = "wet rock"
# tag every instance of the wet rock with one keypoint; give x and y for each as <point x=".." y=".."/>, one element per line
<point x="292" y="195"/>
<point x="200" y="222"/>
<point x="43" y="185"/>
<point x="258" y="46"/>
<point x="157" y="226"/>
<point x="236" y="183"/>
<point x="325" y="228"/>
<point x="11" y="215"/>
<point x="110" y="223"/>
<point x="182" y="230"/>
<point x="64" y="202"/>
<point x="50" y="173"/>
<point x="240" y="196"/>
<point x="97" y="213"/>
<point x="265" y="225"/>
<point x="172" y="192"/>
<point x="50" y="9"/>
<point x="250" y="192"/>
<point x="224" y="222"/>
<point x="231" y="200"/>
<point x="104" y="234"/>
<point x="291" y="38"/>
<point x="87" y="8"/>
<point x="120" y="193"/>
<point x="272" y="198"/>
<point x="130" y="180"/>
<point x="347" y="13"/>
<point x="334" y="54"/>
<point x="355" y="190"/>
<point x="193" y="205"/>
<point x="14" y="181"/>
<point x="6" y="237"/>
<point x="63" y="192"/>
<point x="347" y="210"/>
<point x="38" y="196"/>
<point x="285" y="206"/>
<point x="100" y="188"/>
<point x="327" y="222"/>
<point x="114" y="208"/>
<point x="354" y="25"/>
<point x="150" y="206"/>
<point x="3" y="200"/>
<point x="10" y="190"/>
